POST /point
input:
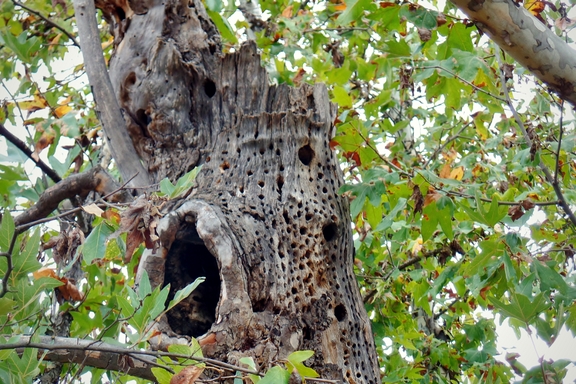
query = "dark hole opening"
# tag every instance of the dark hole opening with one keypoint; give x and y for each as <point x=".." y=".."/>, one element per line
<point x="330" y="231"/>
<point x="306" y="154"/>
<point x="209" y="87"/>
<point x="340" y="312"/>
<point x="187" y="260"/>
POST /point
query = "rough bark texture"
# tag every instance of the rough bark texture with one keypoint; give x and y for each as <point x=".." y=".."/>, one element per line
<point x="527" y="40"/>
<point x="265" y="224"/>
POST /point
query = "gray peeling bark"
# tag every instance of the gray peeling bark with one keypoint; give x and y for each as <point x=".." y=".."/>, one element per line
<point x="265" y="223"/>
<point x="528" y="41"/>
<point x="107" y="105"/>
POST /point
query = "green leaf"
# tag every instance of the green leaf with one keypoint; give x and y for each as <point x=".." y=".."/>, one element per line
<point x="420" y="16"/>
<point x="6" y="231"/>
<point x="162" y="375"/>
<point x="275" y="375"/>
<point x="341" y="97"/>
<point x="25" y="48"/>
<point x="95" y="245"/>
<point x="490" y="249"/>
<point x="144" y="287"/>
<point x="183" y="293"/>
<point x="521" y="307"/>
<point x="390" y="217"/>
<point x="27" y="261"/>
<point x="550" y="279"/>
<point x="223" y="26"/>
<point x="166" y="187"/>
<point x="300" y="356"/>
<point x="185" y="183"/>
<point x="429" y="221"/>
<point x="353" y="12"/>
<point x="6" y="305"/>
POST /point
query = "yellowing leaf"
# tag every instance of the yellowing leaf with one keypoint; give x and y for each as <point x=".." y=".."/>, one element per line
<point x="445" y="171"/>
<point x="107" y="43"/>
<point x="62" y="110"/>
<point x="417" y="247"/>
<point x="46" y="139"/>
<point x="535" y="7"/>
<point x="476" y="170"/>
<point x="457" y="173"/>
<point x="38" y="103"/>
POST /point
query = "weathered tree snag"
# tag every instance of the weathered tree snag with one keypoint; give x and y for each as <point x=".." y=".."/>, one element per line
<point x="528" y="41"/>
<point x="265" y="223"/>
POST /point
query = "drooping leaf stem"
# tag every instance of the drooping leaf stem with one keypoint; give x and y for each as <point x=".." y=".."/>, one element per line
<point x="560" y="124"/>
<point x="548" y="175"/>
<point x="9" y="265"/>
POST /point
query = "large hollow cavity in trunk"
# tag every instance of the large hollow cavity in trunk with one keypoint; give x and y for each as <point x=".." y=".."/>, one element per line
<point x="187" y="260"/>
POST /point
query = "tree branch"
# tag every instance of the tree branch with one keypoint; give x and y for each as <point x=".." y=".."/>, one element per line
<point x="527" y="40"/>
<point x="111" y="117"/>
<point x="28" y="152"/>
<point x="107" y="356"/>
<point x="95" y="179"/>
<point x="555" y="185"/>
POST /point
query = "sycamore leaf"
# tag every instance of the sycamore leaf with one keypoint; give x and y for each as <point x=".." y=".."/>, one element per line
<point x="62" y="110"/>
<point x="521" y="307"/>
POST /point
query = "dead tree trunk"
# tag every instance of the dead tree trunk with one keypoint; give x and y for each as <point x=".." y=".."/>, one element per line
<point x="265" y="224"/>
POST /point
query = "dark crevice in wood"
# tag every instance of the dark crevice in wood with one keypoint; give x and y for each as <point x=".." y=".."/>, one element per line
<point x="187" y="260"/>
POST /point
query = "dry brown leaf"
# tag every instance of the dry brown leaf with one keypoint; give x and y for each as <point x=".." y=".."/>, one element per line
<point x="515" y="212"/>
<point x="188" y="375"/>
<point x="299" y="76"/>
<point x="69" y="291"/>
<point x="133" y="241"/>
<point x="93" y="209"/>
<point x="527" y="204"/>
<point x="45" y="140"/>
<point x="287" y="12"/>
<point x="431" y="197"/>
<point x="418" y="199"/>
<point x="45" y="272"/>
<point x="111" y="215"/>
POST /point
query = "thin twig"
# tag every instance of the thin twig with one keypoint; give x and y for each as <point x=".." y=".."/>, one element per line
<point x="391" y="164"/>
<point x="560" y="123"/>
<point x="561" y="199"/>
<point x="24" y="148"/>
<point x="511" y="203"/>
<point x="21" y="228"/>
<point x="47" y="20"/>
<point x="448" y="141"/>
<point x="462" y="80"/>
<point x="9" y="266"/>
